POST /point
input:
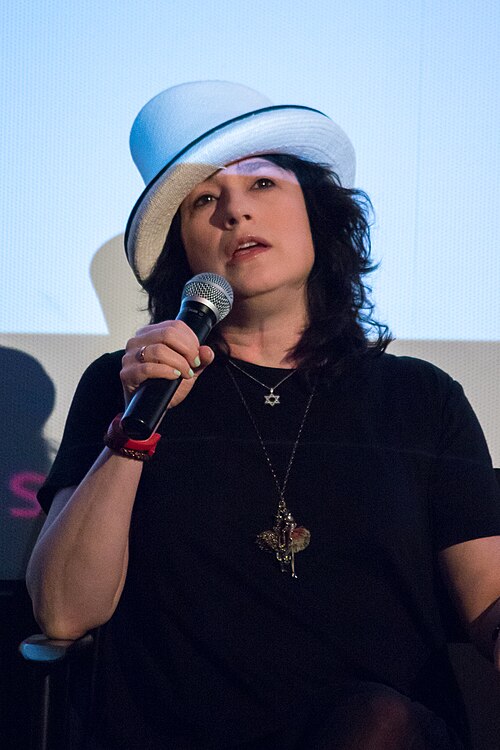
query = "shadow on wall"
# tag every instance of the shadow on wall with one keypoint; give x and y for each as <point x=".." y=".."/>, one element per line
<point x="123" y="301"/>
<point x="35" y="367"/>
<point x="28" y="396"/>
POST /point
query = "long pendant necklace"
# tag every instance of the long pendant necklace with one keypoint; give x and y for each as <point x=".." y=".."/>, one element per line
<point x="271" y="398"/>
<point x="286" y="538"/>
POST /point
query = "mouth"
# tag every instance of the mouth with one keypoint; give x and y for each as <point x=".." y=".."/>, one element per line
<point x="247" y="247"/>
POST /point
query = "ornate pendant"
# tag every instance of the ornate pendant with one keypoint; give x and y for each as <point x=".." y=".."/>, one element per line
<point x="271" y="398"/>
<point x="285" y="539"/>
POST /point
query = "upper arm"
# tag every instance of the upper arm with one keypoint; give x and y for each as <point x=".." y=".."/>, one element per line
<point x="471" y="571"/>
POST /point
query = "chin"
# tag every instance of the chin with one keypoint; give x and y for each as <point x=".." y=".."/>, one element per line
<point x="256" y="288"/>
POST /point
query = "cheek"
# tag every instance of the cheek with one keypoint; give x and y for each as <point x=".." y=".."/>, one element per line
<point x="195" y="259"/>
<point x="200" y="246"/>
<point x="300" y="230"/>
<point x="192" y="239"/>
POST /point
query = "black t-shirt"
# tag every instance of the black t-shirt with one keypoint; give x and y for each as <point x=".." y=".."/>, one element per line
<point x="211" y="643"/>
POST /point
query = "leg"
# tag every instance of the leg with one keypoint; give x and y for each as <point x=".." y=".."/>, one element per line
<point x="369" y="716"/>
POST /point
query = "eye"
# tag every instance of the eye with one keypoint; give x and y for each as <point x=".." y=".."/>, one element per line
<point x="262" y="183"/>
<point x="203" y="200"/>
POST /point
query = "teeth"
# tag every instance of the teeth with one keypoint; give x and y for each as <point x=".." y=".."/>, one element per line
<point x="247" y="244"/>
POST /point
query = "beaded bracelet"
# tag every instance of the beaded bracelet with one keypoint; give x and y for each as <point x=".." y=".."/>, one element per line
<point x="117" y="441"/>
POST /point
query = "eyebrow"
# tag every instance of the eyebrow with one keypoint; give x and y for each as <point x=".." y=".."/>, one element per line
<point x="249" y="167"/>
<point x="246" y="167"/>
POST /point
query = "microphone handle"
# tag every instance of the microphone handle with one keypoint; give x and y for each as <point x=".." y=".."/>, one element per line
<point x="150" y="401"/>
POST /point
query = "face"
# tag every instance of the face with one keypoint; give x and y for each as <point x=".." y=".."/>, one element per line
<point x="248" y="222"/>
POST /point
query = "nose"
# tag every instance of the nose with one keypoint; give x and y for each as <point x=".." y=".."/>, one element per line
<point x="234" y="209"/>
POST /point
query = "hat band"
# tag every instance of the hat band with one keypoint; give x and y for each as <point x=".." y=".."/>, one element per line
<point x="223" y="125"/>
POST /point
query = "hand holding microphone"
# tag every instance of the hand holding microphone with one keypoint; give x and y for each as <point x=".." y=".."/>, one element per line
<point x="163" y="350"/>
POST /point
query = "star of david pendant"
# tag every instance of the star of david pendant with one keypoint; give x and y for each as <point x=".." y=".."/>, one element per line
<point x="271" y="398"/>
<point x="285" y="539"/>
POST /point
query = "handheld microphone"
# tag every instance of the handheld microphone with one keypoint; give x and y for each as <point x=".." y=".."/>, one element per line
<point x="206" y="299"/>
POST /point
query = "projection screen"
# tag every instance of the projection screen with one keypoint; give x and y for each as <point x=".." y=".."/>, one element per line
<point x="414" y="84"/>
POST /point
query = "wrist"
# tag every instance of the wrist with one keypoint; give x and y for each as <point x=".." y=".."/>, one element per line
<point x="118" y="442"/>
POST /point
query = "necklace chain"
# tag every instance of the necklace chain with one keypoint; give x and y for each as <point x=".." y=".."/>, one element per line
<point x="271" y="398"/>
<point x="285" y="538"/>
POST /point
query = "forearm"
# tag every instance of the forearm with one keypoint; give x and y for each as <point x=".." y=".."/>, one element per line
<point x="470" y="570"/>
<point x="78" y="566"/>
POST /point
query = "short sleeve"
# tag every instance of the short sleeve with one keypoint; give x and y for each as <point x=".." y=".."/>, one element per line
<point x="465" y="495"/>
<point x="97" y="400"/>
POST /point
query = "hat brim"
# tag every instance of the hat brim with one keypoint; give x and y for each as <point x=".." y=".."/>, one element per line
<point x="299" y="131"/>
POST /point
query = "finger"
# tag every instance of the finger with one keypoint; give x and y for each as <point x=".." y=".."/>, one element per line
<point x="174" y="334"/>
<point x="154" y="360"/>
<point x="137" y="366"/>
<point x="132" y="377"/>
<point x="159" y="354"/>
<point x="152" y="327"/>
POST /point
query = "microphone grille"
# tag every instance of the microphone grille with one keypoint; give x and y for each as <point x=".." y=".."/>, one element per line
<point x="211" y="287"/>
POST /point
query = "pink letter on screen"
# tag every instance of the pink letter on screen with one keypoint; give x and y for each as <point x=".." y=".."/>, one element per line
<point x="24" y="487"/>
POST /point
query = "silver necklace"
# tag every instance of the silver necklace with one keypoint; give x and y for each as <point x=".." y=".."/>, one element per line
<point x="271" y="398"/>
<point x="286" y="538"/>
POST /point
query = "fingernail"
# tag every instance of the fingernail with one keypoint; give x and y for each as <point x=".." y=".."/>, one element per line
<point x="177" y="373"/>
<point x="191" y="373"/>
<point x="197" y="362"/>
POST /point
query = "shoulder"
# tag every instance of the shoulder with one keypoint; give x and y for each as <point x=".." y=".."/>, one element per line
<point x="106" y="365"/>
<point x="99" y="388"/>
<point x="103" y="372"/>
<point x="409" y="366"/>
<point x="409" y="375"/>
<point x="415" y="390"/>
<point x="421" y="389"/>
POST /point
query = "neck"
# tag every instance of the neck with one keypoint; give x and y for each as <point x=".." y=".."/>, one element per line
<point x="265" y="337"/>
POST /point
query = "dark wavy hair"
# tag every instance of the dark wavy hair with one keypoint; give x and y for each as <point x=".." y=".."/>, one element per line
<point x="341" y="329"/>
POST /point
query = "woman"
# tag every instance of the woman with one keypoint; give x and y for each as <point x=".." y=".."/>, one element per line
<point x="270" y="578"/>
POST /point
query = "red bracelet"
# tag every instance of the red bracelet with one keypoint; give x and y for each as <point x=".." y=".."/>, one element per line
<point x="118" y="442"/>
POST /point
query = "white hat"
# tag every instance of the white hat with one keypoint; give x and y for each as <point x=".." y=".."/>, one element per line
<point x="188" y="132"/>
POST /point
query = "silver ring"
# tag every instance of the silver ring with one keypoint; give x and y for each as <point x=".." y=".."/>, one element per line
<point x="140" y="354"/>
